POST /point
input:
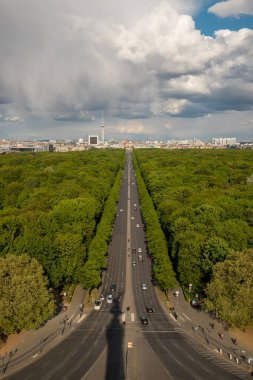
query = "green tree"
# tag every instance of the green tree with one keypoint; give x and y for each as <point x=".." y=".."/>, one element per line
<point x="215" y="250"/>
<point x="25" y="301"/>
<point x="229" y="294"/>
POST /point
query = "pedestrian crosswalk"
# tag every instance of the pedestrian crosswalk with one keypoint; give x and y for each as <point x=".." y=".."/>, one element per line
<point x="125" y="317"/>
<point x="217" y="357"/>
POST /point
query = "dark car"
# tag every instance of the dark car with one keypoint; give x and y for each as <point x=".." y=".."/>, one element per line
<point x="113" y="287"/>
<point x="144" y="320"/>
<point x="150" y="309"/>
<point x="134" y="250"/>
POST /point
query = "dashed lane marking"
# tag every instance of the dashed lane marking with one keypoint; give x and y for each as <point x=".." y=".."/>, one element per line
<point x="186" y="316"/>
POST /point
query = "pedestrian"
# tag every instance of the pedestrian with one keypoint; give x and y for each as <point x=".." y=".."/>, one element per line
<point x="212" y="325"/>
<point x="221" y="335"/>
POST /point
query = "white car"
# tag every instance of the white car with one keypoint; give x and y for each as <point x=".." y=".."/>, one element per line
<point x="132" y="217"/>
<point x="121" y="210"/>
<point x="98" y="305"/>
<point x="109" y="298"/>
<point x="144" y="287"/>
<point x="139" y="250"/>
<point x="137" y="225"/>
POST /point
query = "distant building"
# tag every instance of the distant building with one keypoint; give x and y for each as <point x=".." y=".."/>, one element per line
<point x="93" y="140"/>
<point x="224" y="141"/>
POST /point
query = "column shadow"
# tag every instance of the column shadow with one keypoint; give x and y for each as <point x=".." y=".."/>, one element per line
<point x="116" y="356"/>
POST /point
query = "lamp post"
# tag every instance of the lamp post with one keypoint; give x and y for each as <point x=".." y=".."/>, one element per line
<point x="12" y="353"/>
<point x="65" y="321"/>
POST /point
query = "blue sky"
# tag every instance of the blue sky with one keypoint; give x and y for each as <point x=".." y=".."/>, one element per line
<point x="208" y="22"/>
<point x="157" y="69"/>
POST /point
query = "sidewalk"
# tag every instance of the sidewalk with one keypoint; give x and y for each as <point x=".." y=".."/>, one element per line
<point x="29" y="344"/>
<point x="211" y="333"/>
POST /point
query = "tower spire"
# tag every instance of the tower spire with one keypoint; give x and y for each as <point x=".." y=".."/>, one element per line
<point x="103" y="129"/>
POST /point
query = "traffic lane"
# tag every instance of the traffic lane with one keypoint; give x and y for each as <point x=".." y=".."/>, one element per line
<point x="182" y="361"/>
<point x="71" y="359"/>
<point x="148" y="365"/>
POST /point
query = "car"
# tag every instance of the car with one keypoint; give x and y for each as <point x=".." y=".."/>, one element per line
<point x="137" y="225"/>
<point x="150" y="309"/>
<point x="134" y="263"/>
<point x="98" y="305"/>
<point x="113" y="287"/>
<point x="139" y="250"/>
<point x="144" y="287"/>
<point x="132" y="217"/>
<point x="109" y="298"/>
<point x="133" y="250"/>
<point x="144" y="320"/>
<point x="121" y="210"/>
<point x="135" y="205"/>
<point x="102" y="297"/>
<point x="135" y="209"/>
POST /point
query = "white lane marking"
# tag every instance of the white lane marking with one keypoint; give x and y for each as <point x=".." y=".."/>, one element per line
<point x="174" y="319"/>
<point x="163" y="331"/>
<point x="181" y="318"/>
<point x="35" y="356"/>
<point x="187" y="317"/>
<point x="80" y="319"/>
<point x="123" y="317"/>
<point x="132" y="317"/>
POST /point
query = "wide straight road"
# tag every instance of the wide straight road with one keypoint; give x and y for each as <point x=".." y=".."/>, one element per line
<point x="111" y="343"/>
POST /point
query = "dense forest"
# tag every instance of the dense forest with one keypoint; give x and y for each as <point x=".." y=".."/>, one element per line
<point x="55" y="208"/>
<point x="204" y="202"/>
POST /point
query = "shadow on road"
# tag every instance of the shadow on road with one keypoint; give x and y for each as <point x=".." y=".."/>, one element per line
<point x="115" y="364"/>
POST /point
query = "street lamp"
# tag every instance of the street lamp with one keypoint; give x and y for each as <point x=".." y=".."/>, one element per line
<point x="12" y="353"/>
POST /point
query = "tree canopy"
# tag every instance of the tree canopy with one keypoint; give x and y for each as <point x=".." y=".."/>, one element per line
<point x="229" y="294"/>
<point x="25" y="300"/>
<point x="51" y="205"/>
<point x="203" y="200"/>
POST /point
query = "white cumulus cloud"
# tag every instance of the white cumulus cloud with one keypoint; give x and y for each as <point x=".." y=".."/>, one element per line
<point x="138" y="61"/>
<point x="232" y="8"/>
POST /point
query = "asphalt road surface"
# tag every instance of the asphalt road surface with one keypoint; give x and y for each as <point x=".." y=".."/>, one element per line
<point x="112" y="343"/>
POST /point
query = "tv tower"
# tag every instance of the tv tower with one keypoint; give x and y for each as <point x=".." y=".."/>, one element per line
<point x="103" y="129"/>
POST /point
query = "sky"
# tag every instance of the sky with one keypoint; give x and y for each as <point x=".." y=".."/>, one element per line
<point x="172" y="69"/>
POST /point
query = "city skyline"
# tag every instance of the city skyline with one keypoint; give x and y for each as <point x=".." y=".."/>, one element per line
<point x="172" y="69"/>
